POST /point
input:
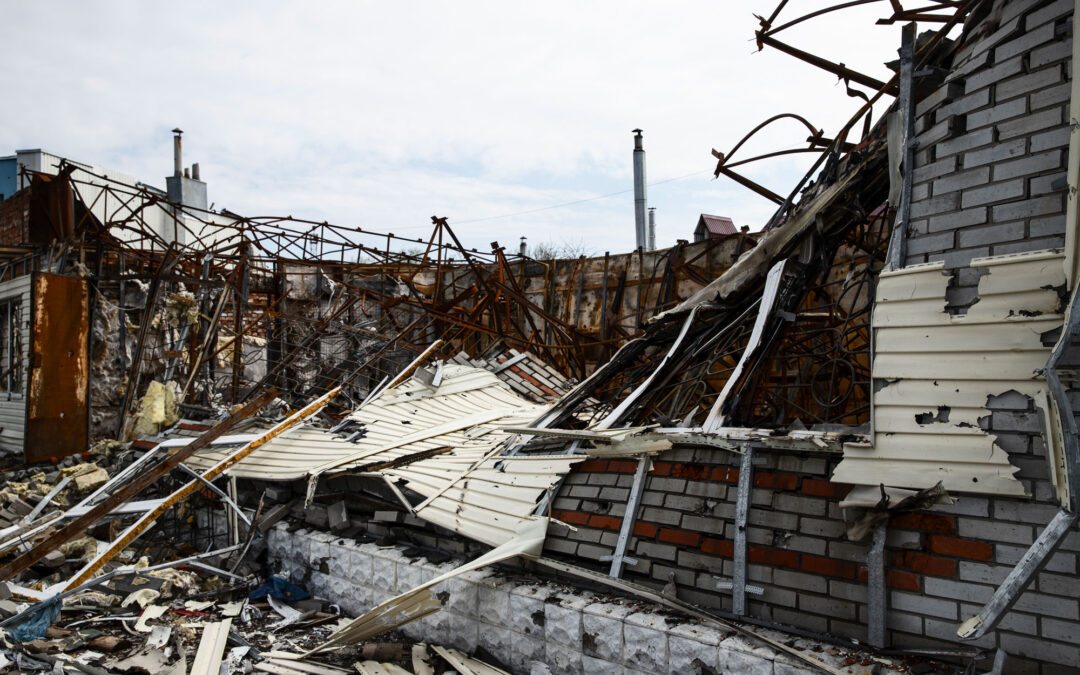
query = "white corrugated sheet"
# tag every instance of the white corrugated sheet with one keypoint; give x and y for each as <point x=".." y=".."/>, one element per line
<point x="935" y="372"/>
<point x="469" y="489"/>
<point x="465" y="413"/>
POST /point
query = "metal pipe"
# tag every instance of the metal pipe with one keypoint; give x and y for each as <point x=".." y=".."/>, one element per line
<point x="178" y="163"/>
<point x="640" y="201"/>
<point x="652" y="228"/>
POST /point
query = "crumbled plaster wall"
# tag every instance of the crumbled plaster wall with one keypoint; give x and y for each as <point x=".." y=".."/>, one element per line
<point x="108" y="376"/>
<point x="989" y="180"/>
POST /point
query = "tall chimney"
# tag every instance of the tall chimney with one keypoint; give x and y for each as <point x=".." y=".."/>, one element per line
<point x="652" y="228"/>
<point x="178" y="163"/>
<point x="523" y="248"/>
<point x="640" y="202"/>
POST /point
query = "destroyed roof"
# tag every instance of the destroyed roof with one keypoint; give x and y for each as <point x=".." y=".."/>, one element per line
<point x="465" y="411"/>
<point x="444" y="443"/>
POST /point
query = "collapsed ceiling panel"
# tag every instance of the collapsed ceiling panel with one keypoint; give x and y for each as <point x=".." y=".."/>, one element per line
<point x="936" y="367"/>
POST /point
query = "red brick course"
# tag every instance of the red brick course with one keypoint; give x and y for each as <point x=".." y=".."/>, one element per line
<point x="824" y="488"/>
<point x="680" y="537"/>
<point x="905" y="581"/>
<point x="924" y="564"/>
<point x="924" y="521"/>
<point x="720" y="547"/>
<point x="828" y="567"/>
<point x="775" y="481"/>
<point x="959" y="548"/>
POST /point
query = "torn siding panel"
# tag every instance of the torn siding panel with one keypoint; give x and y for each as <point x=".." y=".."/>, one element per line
<point x="935" y="371"/>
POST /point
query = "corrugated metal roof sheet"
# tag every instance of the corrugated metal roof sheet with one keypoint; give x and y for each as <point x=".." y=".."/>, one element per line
<point x="935" y="372"/>
<point x="471" y="489"/>
<point x="464" y="413"/>
<point x="488" y="498"/>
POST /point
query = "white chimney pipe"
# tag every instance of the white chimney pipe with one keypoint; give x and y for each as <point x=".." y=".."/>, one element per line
<point x="652" y="228"/>
<point x="640" y="201"/>
<point x="178" y="163"/>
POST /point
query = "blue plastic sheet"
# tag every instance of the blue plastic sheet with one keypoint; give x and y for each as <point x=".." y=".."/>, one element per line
<point x="36" y="621"/>
<point x="280" y="589"/>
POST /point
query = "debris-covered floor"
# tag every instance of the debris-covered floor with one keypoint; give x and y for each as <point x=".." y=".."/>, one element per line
<point x="178" y="600"/>
<point x="156" y="610"/>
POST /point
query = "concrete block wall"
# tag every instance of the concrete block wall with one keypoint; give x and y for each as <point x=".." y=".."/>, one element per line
<point x="525" y="622"/>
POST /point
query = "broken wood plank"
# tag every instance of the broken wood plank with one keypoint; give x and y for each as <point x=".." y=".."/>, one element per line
<point x="465" y="664"/>
<point x="186" y="491"/>
<point x="211" y="647"/>
<point x="376" y="668"/>
<point x="142" y="481"/>
<point x="421" y="660"/>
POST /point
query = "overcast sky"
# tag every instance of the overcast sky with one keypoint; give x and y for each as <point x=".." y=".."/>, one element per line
<point x="379" y="115"/>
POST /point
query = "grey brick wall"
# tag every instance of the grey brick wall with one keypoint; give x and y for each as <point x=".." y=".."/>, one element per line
<point x="992" y="140"/>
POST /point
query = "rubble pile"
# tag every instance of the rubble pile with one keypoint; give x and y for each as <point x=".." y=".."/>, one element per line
<point x="86" y="597"/>
<point x="165" y="612"/>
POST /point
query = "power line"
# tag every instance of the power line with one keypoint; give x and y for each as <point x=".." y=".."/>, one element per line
<point x="578" y="201"/>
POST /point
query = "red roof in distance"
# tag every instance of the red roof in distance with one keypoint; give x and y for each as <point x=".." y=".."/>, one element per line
<point x="717" y="226"/>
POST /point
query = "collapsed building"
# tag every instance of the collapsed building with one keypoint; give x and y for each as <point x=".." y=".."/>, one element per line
<point x="847" y="442"/>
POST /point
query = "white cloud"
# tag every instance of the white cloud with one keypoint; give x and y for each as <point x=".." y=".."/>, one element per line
<point x="382" y="114"/>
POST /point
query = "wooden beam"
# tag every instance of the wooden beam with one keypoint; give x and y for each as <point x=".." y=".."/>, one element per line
<point x="142" y="481"/>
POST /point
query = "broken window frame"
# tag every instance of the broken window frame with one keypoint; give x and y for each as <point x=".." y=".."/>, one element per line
<point x="12" y="358"/>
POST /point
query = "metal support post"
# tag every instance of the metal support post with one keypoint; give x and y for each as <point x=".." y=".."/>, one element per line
<point x="742" y="510"/>
<point x="219" y="492"/>
<point x="629" y="518"/>
<point x="1021" y="575"/>
<point x="906" y="105"/>
<point x="234" y="521"/>
<point x="999" y="662"/>
<point x="876" y="600"/>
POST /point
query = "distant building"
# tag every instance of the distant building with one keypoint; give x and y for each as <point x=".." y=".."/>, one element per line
<point x="183" y="187"/>
<point x="713" y="227"/>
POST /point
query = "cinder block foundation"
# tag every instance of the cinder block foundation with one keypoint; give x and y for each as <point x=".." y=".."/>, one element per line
<point x="523" y="624"/>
